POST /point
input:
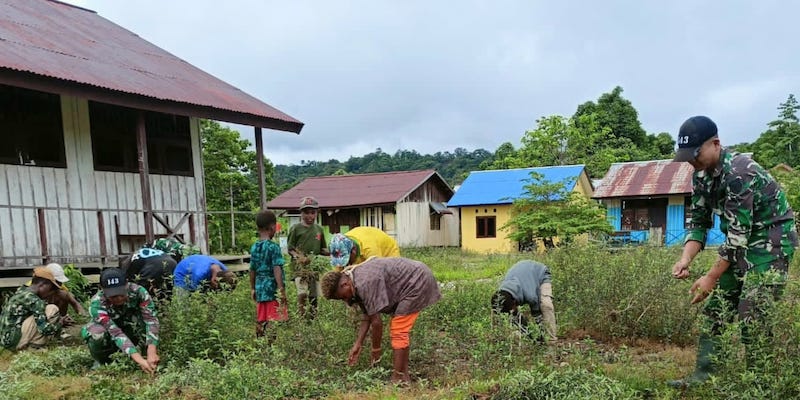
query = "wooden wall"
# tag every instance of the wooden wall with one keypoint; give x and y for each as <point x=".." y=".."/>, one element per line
<point x="71" y="201"/>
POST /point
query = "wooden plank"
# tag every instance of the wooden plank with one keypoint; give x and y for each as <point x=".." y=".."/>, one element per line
<point x="4" y="188"/>
<point x="25" y="188"/>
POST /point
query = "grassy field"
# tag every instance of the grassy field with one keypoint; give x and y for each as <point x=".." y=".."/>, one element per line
<point x="626" y="328"/>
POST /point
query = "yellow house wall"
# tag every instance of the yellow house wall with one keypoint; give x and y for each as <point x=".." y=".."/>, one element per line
<point x="497" y="244"/>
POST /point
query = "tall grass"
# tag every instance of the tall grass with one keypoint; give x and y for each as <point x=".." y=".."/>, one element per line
<point x="607" y="305"/>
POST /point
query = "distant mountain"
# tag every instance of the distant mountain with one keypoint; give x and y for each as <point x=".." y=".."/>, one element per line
<point x="454" y="167"/>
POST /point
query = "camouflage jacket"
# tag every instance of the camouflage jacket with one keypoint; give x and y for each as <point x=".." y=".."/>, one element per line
<point x="23" y="304"/>
<point x="747" y="199"/>
<point x="139" y="307"/>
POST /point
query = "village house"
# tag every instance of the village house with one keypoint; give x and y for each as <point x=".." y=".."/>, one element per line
<point x="484" y="202"/>
<point x="101" y="137"/>
<point x="649" y="201"/>
<point x="409" y="206"/>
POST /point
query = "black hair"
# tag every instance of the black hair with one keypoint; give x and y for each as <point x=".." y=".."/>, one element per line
<point x="502" y="302"/>
<point x="265" y="219"/>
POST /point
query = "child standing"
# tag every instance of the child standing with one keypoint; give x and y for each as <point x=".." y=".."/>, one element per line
<point x="306" y="240"/>
<point x="267" y="276"/>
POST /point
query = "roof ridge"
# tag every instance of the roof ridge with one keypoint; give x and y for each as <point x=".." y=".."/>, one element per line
<point x="529" y="168"/>
<point x="73" y="6"/>
<point x="375" y="173"/>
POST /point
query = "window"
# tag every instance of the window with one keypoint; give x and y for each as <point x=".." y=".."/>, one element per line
<point x="643" y="214"/>
<point x="485" y="227"/>
<point x="436" y="222"/>
<point x="31" y="128"/>
<point x="169" y="145"/>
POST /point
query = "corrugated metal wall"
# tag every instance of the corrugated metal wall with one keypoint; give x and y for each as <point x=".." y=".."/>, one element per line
<point x="70" y="201"/>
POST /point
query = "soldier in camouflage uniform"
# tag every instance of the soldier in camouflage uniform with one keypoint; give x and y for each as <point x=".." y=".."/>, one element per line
<point x="123" y="317"/>
<point x="175" y="248"/>
<point x="26" y="318"/>
<point x="760" y="231"/>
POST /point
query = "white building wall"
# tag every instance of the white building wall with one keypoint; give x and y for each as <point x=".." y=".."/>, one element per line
<point x="413" y="226"/>
<point x="71" y="197"/>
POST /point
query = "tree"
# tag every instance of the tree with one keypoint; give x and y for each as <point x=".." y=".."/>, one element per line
<point x="548" y="211"/>
<point x="561" y="141"/>
<point x="231" y="182"/>
<point x="617" y="114"/>
<point x="781" y="142"/>
<point x="790" y="182"/>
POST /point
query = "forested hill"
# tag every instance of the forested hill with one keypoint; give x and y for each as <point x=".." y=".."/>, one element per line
<point x="454" y="167"/>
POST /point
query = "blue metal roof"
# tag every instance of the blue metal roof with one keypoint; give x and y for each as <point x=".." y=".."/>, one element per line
<point x="502" y="186"/>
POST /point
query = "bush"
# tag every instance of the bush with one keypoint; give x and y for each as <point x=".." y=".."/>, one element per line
<point x="542" y="383"/>
<point x="54" y="362"/>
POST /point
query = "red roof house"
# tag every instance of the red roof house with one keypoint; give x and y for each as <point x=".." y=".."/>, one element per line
<point x="409" y="205"/>
<point x="101" y="137"/>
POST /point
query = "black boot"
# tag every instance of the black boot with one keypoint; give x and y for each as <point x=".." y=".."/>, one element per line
<point x="704" y="366"/>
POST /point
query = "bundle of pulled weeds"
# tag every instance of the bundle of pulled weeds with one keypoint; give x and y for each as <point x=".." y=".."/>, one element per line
<point x="310" y="266"/>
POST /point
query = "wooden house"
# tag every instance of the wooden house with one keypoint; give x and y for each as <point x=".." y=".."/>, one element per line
<point x="484" y="201"/>
<point x="648" y="201"/>
<point x="100" y="129"/>
<point x="409" y="206"/>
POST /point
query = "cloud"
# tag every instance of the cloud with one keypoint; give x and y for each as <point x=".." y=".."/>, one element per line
<point x="432" y="76"/>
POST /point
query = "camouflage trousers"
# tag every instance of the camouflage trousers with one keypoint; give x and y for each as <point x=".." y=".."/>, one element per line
<point x="101" y="344"/>
<point x="749" y="288"/>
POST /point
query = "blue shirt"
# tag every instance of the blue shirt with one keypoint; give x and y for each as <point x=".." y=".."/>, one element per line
<point x="194" y="269"/>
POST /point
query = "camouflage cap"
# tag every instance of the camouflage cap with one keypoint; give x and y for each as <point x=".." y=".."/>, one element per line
<point x="308" y="202"/>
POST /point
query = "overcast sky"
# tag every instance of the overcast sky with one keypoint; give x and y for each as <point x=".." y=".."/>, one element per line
<point x="435" y="75"/>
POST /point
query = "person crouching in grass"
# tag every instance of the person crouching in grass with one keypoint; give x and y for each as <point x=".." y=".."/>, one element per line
<point x="398" y="286"/>
<point x="267" y="278"/>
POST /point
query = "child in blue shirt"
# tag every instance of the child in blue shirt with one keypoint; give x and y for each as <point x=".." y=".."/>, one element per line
<point x="267" y="276"/>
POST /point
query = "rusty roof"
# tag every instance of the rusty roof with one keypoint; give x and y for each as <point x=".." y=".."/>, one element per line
<point x="343" y="191"/>
<point x="645" y="178"/>
<point x="65" y="44"/>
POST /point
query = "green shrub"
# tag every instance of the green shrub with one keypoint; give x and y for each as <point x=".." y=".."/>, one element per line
<point x="56" y="361"/>
<point x="13" y="386"/>
<point x="206" y="325"/>
<point x="77" y="284"/>
<point x="560" y="384"/>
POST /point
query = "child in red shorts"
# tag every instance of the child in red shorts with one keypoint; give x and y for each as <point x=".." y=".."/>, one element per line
<point x="267" y="276"/>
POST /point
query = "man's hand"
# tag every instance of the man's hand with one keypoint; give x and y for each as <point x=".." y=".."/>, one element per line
<point x="67" y="321"/>
<point x="214" y="284"/>
<point x="152" y="356"/>
<point x="681" y="269"/>
<point x="352" y="358"/>
<point x="703" y="286"/>
<point x="143" y="364"/>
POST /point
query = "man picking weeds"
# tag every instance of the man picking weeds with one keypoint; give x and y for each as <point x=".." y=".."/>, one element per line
<point x="527" y="282"/>
<point x="123" y="318"/>
<point x="397" y="286"/>
<point x="760" y="238"/>
<point x="26" y="319"/>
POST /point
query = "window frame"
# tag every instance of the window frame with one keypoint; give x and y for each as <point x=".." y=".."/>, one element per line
<point x="34" y="118"/>
<point x="484" y="222"/>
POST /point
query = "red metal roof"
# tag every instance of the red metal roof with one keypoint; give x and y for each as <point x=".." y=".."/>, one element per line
<point x="645" y="178"/>
<point x="56" y="40"/>
<point x="342" y="191"/>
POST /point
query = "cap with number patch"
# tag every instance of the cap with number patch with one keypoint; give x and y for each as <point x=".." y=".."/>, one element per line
<point x="113" y="282"/>
<point x="693" y="133"/>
